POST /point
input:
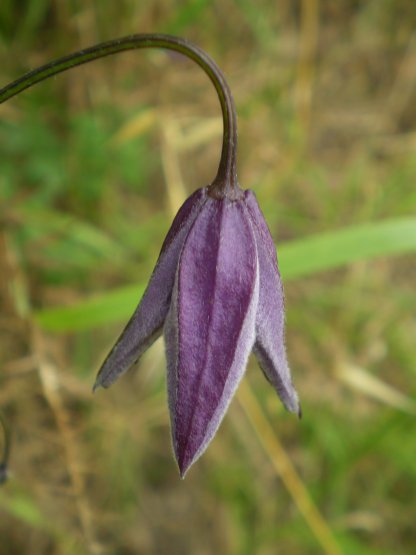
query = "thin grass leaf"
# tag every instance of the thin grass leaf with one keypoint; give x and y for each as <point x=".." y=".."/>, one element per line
<point x="360" y="379"/>
<point x="93" y="312"/>
<point x="337" y="248"/>
<point x="24" y="509"/>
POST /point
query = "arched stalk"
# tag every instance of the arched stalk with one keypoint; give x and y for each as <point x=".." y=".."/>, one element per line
<point x="225" y="182"/>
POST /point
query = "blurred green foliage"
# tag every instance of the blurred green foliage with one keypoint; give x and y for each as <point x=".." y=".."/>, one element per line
<point x="326" y="97"/>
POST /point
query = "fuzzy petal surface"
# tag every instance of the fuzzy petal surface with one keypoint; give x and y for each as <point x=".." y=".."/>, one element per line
<point x="210" y="328"/>
<point x="269" y="346"/>
<point x="146" y="324"/>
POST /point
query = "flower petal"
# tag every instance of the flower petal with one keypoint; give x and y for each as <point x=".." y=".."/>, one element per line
<point x="269" y="347"/>
<point x="210" y="328"/>
<point x="146" y="324"/>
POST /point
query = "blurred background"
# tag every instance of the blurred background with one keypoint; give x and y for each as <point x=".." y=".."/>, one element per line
<point x="93" y="166"/>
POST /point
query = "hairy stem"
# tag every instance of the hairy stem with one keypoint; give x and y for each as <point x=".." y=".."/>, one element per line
<point x="226" y="179"/>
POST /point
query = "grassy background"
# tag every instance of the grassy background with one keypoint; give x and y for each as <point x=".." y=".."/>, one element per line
<point x="94" y="164"/>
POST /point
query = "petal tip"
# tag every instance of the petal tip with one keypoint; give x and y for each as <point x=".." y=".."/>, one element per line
<point x="182" y="473"/>
<point x="96" y="385"/>
<point x="292" y="403"/>
<point x="101" y="382"/>
<point x="184" y="464"/>
<point x="187" y="454"/>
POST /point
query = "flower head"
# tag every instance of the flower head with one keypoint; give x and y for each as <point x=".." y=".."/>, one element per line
<point x="216" y="294"/>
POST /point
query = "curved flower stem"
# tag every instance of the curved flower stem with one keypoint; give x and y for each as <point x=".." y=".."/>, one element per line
<point x="225" y="182"/>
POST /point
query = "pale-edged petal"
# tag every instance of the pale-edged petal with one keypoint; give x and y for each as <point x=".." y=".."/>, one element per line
<point x="210" y="329"/>
<point x="146" y="324"/>
<point x="269" y="346"/>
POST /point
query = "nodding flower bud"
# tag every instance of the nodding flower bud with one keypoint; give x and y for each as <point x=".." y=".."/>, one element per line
<point x="215" y="292"/>
<point x="216" y="295"/>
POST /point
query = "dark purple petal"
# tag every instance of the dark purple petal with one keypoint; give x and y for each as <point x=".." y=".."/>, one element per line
<point x="269" y="347"/>
<point x="210" y="327"/>
<point x="185" y="217"/>
<point x="146" y="324"/>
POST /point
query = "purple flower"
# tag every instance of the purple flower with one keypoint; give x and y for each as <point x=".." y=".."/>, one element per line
<point x="216" y="294"/>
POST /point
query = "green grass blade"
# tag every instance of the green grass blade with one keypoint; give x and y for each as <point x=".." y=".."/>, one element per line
<point x="296" y="259"/>
<point x="96" y="311"/>
<point x="23" y="508"/>
<point x="337" y="248"/>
